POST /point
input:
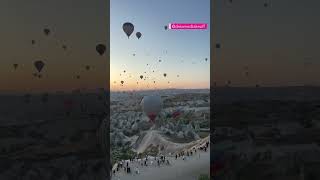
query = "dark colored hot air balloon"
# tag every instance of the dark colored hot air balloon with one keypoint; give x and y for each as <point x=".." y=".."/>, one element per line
<point x="124" y="71"/>
<point x="165" y="27"/>
<point x="154" y="81"/>
<point x="128" y="28"/>
<point x="165" y="75"/>
<point x="64" y="47"/>
<point x="218" y="46"/>
<point x="141" y="77"/>
<point x="101" y="48"/>
<point x="138" y="34"/>
<point x="122" y="82"/>
<point x="15" y="66"/>
<point x="39" y="65"/>
<point x="206" y="59"/>
<point x="46" y="31"/>
<point x="267" y="3"/>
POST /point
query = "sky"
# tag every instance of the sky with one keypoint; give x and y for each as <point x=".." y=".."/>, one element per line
<point x="182" y="52"/>
<point x="279" y="44"/>
<point x="79" y="24"/>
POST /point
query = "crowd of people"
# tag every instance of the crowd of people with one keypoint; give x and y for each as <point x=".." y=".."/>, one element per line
<point x="132" y="166"/>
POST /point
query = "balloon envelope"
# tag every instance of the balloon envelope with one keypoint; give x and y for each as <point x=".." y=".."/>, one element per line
<point x="46" y="31"/>
<point x="151" y="106"/>
<point x="128" y="28"/>
<point x="100" y="48"/>
<point x="138" y="34"/>
<point x="39" y="65"/>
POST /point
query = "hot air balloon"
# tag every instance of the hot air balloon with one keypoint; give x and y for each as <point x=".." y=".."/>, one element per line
<point x="267" y="3"/>
<point x="165" y="75"/>
<point x="206" y="59"/>
<point x="165" y="27"/>
<point x="141" y="77"/>
<point x="218" y="46"/>
<point x="101" y="48"/>
<point x="138" y="34"/>
<point x="39" y="65"/>
<point x="46" y="31"/>
<point x="15" y="66"/>
<point x="64" y="47"/>
<point x="128" y="28"/>
<point x="122" y="82"/>
<point x="151" y="106"/>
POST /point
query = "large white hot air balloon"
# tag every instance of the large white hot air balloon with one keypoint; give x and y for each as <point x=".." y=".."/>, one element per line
<point x="151" y="106"/>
